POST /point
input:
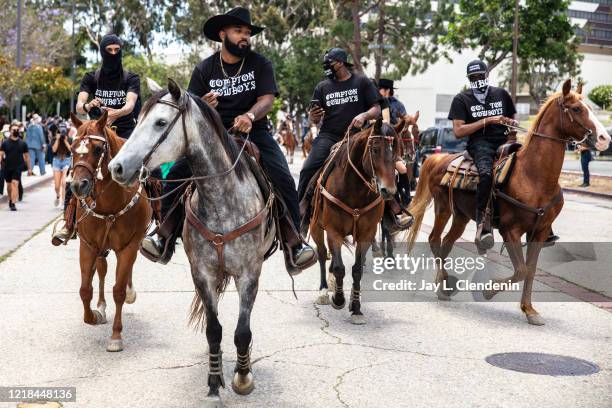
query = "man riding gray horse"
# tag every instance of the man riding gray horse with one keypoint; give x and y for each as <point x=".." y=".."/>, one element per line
<point x="239" y="83"/>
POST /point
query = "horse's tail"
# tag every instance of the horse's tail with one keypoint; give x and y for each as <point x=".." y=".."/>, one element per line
<point x="197" y="311"/>
<point x="420" y="202"/>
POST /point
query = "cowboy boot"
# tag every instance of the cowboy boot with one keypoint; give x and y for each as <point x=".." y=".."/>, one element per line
<point x="484" y="235"/>
<point x="64" y="228"/>
<point x="297" y="253"/>
<point x="161" y="249"/>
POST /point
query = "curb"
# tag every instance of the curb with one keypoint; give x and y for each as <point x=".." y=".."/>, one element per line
<point x="587" y="193"/>
<point x="579" y="173"/>
<point x="34" y="184"/>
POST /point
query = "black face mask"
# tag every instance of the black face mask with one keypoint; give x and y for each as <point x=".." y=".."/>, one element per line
<point x="111" y="63"/>
<point x="15" y="133"/>
<point x="235" y="49"/>
<point x="329" y="70"/>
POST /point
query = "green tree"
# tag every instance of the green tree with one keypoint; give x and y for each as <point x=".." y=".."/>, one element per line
<point x="602" y="96"/>
<point x="12" y="81"/>
<point x="48" y="85"/>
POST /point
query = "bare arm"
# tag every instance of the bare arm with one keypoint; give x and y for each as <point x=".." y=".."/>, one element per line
<point x="55" y="145"/>
<point x="261" y="108"/>
<point x="81" y="101"/>
<point x="462" y="129"/>
<point x="26" y="157"/>
<point x="359" y="120"/>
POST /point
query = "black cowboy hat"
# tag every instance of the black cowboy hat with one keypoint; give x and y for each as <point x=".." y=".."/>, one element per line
<point x="384" y="83"/>
<point x="236" y="16"/>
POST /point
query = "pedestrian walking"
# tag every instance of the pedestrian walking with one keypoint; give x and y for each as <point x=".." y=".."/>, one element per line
<point x="14" y="155"/>
<point x="37" y="144"/>
<point x="585" y="158"/>
<point x="61" y="160"/>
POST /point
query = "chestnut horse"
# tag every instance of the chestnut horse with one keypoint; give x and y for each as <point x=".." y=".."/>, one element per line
<point x="350" y="202"/>
<point x="109" y="216"/>
<point x="289" y="141"/>
<point x="528" y="203"/>
<point x="307" y="144"/>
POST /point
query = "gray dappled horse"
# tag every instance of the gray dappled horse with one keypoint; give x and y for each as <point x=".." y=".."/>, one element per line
<point x="175" y="124"/>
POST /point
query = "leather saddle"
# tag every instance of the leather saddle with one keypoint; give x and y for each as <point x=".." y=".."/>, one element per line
<point x="462" y="173"/>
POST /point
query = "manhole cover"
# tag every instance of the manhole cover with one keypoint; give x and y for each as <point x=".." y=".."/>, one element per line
<point x="543" y="364"/>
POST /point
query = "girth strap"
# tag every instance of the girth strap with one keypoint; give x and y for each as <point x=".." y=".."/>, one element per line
<point x="355" y="212"/>
<point x="538" y="211"/>
<point x="219" y="240"/>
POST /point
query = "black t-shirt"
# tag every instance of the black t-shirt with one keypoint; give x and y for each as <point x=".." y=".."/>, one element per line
<point x="238" y="90"/>
<point x="113" y="94"/>
<point x="13" y="150"/>
<point x="467" y="108"/>
<point x="343" y="100"/>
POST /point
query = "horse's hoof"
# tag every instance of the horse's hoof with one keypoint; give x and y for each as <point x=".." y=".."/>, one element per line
<point x="535" y="319"/>
<point x="212" y="401"/>
<point x="488" y="294"/>
<point x="114" y="345"/>
<point x="243" y="384"/>
<point x="323" y="298"/>
<point x="442" y="295"/>
<point x="337" y="307"/>
<point x="130" y="295"/>
<point x="358" y="319"/>
<point x="99" y="316"/>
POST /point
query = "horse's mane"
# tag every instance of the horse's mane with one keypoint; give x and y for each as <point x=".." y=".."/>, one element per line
<point x="362" y="137"/>
<point x="213" y="118"/>
<point x="573" y="96"/>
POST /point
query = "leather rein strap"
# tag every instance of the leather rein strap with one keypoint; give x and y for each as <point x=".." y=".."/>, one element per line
<point x="217" y="239"/>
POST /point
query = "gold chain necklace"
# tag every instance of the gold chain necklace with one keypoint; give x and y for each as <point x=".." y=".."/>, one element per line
<point x="223" y="70"/>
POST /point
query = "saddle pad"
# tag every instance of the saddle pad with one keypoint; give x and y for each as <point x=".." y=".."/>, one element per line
<point x="462" y="174"/>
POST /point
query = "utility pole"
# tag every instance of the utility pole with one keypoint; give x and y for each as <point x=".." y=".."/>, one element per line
<point x="18" y="102"/>
<point x="72" y="67"/>
<point x="513" y="84"/>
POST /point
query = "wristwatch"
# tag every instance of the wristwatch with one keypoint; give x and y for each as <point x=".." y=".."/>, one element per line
<point x="251" y="116"/>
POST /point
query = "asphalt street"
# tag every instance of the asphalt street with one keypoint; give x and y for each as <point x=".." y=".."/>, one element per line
<point x="410" y="354"/>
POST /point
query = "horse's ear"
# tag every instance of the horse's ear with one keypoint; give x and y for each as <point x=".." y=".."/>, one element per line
<point x="75" y="120"/>
<point x="154" y="87"/>
<point x="400" y="126"/>
<point x="579" y="88"/>
<point x="378" y="125"/>
<point x="101" y="123"/>
<point x="567" y="87"/>
<point x="416" y="116"/>
<point x="175" y="89"/>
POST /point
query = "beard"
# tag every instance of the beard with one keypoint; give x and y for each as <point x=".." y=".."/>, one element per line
<point x="235" y="49"/>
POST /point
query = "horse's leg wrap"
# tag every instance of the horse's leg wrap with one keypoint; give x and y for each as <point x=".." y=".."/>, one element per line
<point x="215" y="367"/>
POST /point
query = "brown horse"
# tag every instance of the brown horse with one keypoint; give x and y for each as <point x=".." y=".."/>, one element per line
<point x="350" y="202"/>
<point x="289" y="142"/>
<point x="529" y="201"/>
<point x="307" y="145"/>
<point x="108" y="217"/>
<point x="408" y="136"/>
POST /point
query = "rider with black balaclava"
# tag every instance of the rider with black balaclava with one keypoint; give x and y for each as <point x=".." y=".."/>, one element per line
<point x="111" y="88"/>
<point x="344" y="100"/>
<point x="478" y="113"/>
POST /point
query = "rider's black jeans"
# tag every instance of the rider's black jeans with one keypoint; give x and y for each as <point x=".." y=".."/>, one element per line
<point x="274" y="163"/>
<point x="483" y="153"/>
<point x="321" y="146"/>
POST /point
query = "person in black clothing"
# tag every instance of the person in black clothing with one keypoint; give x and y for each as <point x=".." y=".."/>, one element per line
<point x="479" y="113"/>
<point x="343" y="101"/>
<point x="239" y="83"/>
<point x="111" y="88"/>
<point x="585" y="158"/>
<point x="14" y="156"/>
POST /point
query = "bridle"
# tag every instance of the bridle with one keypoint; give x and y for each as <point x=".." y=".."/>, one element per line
<point x="180" y="114"/>
<point x="406" y="130"/>
<point x="371" y="185"/>
<point x="565" y="140"/>
<point x="89" y="209"/>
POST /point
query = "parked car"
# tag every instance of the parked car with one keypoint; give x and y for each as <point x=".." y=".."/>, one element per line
<point x="439" y="140"/>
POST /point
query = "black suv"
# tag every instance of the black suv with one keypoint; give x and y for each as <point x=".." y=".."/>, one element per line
<point x="439" y="140"/>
